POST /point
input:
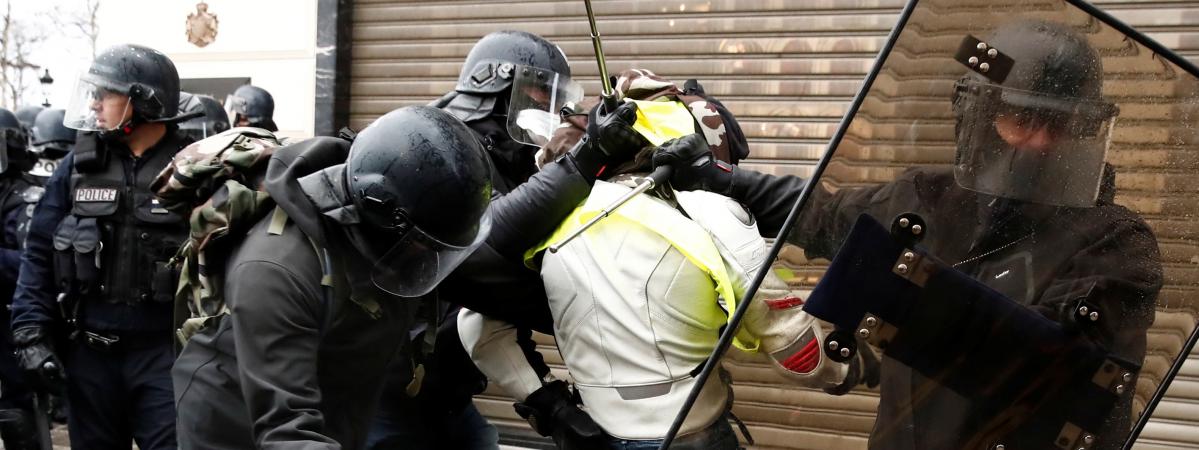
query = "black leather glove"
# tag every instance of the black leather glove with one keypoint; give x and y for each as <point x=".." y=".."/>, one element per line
<point x="865" y="368"/>
<point x="610" y="140"/>
<point x="695" y="167"/>
<point x="36" y="357"/>
<point x="552" y="411"/>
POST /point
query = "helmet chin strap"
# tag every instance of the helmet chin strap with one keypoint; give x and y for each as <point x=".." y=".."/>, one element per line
<point x="122" y="131"/>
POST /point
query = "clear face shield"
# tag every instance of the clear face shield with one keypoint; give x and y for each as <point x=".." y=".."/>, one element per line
<point x="414" y="265"/>
<point x="1031" y="146"/>
<point x="97" y="105"/>
<point x="537" y="97"/>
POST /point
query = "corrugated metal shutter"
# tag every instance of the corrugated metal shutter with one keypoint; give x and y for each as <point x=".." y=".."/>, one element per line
<point x="786" y="68"/>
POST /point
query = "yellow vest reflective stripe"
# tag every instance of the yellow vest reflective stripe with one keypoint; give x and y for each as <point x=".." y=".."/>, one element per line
<point x="686" y="236"/>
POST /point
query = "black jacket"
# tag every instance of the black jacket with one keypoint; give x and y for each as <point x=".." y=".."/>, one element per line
<point x="1047" y="259"/>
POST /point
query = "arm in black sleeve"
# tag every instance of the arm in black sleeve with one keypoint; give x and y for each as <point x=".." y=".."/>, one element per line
<point x="768" y="197"/>
<point x="525" y="216"/>
<point x="1118" y="275"/>
<point x="827" y="217"/>
<point x="10" y="252"/>
<point x="33" y="302"/>
<point x="494" y="280"/>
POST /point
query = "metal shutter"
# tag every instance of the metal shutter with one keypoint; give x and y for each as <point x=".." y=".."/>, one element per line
<point x="787" y="69"/>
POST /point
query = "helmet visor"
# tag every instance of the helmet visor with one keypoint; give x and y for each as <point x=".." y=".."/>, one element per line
<point x="415" y="264"/>
<point x="235" y="105"/>
<point x="1031" y="147"/>
<point x="97" y="105"/>
<point x="537" y="96"/>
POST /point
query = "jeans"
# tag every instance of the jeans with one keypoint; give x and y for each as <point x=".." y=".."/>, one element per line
<point x="718" y="436"/>
<point x="414" y="428"/>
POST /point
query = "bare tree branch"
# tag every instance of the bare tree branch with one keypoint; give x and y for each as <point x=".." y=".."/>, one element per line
<point x="17" y="44"/>
<point x="84" y="22"/>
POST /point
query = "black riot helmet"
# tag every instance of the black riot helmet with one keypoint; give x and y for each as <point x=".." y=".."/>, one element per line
<point x="28" y="114"/>
<point x="490" y="65"/>
<point x="51" y="139"/>
<point x="1032" y="122"/>
<point x="15" y="154"/>
<point x="254" y="104"/>
<point x="146" y="76"/>
<point x="420" y="184"/>
<point x="51" y="142"/>
<point x="519" y="75"/>
<point x="212" y="122"/>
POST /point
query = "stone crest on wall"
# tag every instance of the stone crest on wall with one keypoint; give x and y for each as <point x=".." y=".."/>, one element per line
<point x="201" y="26"/>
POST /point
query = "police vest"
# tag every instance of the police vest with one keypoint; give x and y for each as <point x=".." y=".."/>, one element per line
<point x="117" y="240"/>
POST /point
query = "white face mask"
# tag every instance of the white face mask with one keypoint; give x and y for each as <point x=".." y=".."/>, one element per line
<point x="538" y="124"/>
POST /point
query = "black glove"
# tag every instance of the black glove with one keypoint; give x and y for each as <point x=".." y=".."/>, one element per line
<point x="610" y="140"/>
<point x="552" y="411"/>
<point x="36" y="357"/>
<point x="695" y="167"/>
<point x="864" y="368"/>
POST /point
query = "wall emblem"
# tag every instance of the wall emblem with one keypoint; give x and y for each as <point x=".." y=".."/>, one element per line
<point x="201" y="26"/>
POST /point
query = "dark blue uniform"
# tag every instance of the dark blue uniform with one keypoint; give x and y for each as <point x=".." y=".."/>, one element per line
<point x="16" y="397"/>
<point x="119" y="357"/>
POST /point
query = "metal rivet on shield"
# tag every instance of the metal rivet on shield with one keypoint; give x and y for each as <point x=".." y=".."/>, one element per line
<point x="871" y="322"/>
<point x="902" y="268"/>
<point x="993" y="53"/>
<point x="909" y="256"/>
<point x="864" y="333"/>
<point x="1083" y="310"/>
<point x="984" y="67"/>
<point x="998" y="446"/>
<point x="1088" y="439"/>
<point x="1120" y="389"/>
<point x="833" y="345"/>
<point x="845" y="353"/>
<point x="1094" y="316"/>
<point x="973" y="61"/>
<point x="917" y="229"/>
<point x="904" y="222"/>
<point x="1127" y="377"/>
<point x="981" y="46"/>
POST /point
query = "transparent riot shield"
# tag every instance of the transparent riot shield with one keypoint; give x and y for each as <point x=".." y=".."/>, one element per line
<point x="1006" y="217"/>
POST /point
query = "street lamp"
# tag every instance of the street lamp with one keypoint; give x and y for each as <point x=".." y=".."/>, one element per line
<point x="46" y="80"/>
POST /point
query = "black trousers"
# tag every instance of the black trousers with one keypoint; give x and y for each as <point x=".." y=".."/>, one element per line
<point x="122" y="394"/>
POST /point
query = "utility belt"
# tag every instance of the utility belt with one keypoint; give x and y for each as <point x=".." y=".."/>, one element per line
<point x="86" y="268"/>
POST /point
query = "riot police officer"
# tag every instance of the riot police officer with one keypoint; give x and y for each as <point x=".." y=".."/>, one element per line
<point x="1044" y="254"/>
<point x="51" y="142"/>
<point x="502" y="95"/>
<point x="27" y="115"/>
<point x="251" y="106"/>
<point x="97" y="257"/>
<point x="18" y="193"/>
<point x="214" y="119"/>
